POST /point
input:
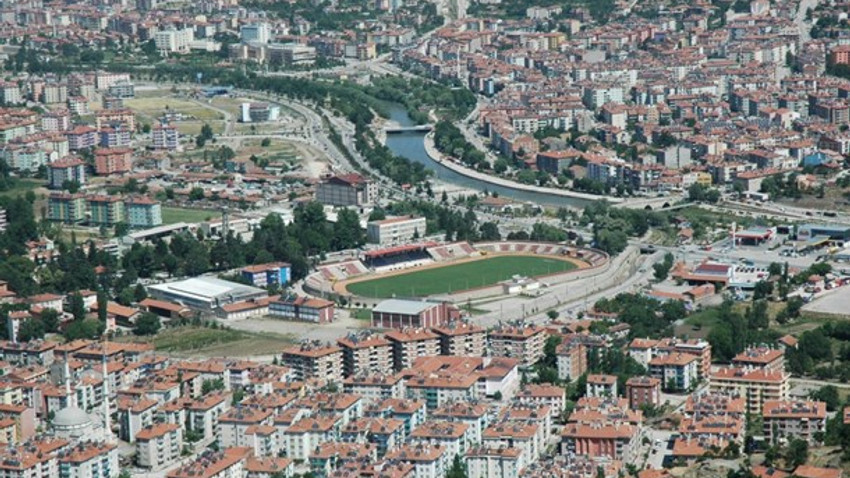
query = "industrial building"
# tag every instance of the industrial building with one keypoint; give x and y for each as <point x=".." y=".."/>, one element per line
<point x="205" y="293"/>
<point x="401" y="314"/>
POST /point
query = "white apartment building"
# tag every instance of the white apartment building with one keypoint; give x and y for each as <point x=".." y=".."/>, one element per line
<point x="395" y="230"/>
<point x="483" y="462"/>
<point x="159" y="445"/>
<point x="174" y="40"/>
<point x="89" y="460"/>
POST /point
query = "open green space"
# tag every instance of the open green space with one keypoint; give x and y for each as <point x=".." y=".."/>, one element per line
<point x="171" y="215"/>
<point x="453" y="278"/>
<point x="21" y="186"/>
<point x="218" y="342"/>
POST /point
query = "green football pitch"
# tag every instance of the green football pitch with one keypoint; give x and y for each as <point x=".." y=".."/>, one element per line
<point x="457" y="277"/>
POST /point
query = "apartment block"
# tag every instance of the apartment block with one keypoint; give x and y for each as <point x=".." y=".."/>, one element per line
<point x="143" y="212"/>
<point x="314" y="361"/>
<point x="105" y="210"/>
<point x="601" y="386"/>
<point x="68" y="170"/>
<point x="756" y="387"/>
<point x="462" y="339"/>
<point x="364" y="353"/>
<point x="158" y="445"/>
<point x="524" y="342"/>
<point x="113" y="161"/>
<point x="348" y="190"/>
<point x="788" y="419"/>
<point x="67" y="208"/>
<point x="409" y="344"/>
<point x="643" y="391"/>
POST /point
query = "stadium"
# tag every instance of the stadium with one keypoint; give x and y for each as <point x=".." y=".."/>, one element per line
<point x="450" y="270"/>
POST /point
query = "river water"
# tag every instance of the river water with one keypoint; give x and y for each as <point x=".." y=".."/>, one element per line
<point x="412" y="147"/>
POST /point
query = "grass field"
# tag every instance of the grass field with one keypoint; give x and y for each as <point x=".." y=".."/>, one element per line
<point x="216" y="342"/>
<point x="453" y="278"/>
<point x="21" y="186"/>
<point x="154" y="107"/>
<point x="171" y="215"/>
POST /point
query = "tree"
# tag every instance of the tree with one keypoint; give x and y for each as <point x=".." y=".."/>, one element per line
<point x="31" y="329"/>
<point x="50" y="319"/>
<point x="72" y="186"/>
<point x="829" y="395"/>
<point x="377" y="214"/>
<point x="611" y="241"/>
<point x="816" y="345"/>
<point x="121" y="229"/>
<point x="102" y="305"/>
<point x="762" y="289"/>
<point x="796" y="453"/>
<point x="90" y="329"/>
<point x="140" y="294"/>
<point x="211" y="385"/>
<point x="458" y="469"/>
<point x="77" y="306"/>
<point x="196" y="194"/>
<point x="661" y="269"/>
<point x="147" y="324"/>
<point x="347" y="233"/>
<point x="489" y="231"/>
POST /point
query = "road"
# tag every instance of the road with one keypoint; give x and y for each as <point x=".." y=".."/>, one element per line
<point x="804" y="27"/>
<point x="228" y="118"/>
<point x="628" y="272"/>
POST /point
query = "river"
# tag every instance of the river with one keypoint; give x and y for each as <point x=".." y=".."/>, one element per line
<point x="412" y="147"/>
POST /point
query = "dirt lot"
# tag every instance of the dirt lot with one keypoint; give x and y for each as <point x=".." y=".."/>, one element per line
<point x="302" y="330"/>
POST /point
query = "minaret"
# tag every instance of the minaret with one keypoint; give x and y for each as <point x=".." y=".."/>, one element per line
<point x="71" y="398"/>
<point x="107" y="426"/>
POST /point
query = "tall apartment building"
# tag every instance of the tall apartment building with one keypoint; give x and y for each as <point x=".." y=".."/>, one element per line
<point x="524" y="342"/>
<point x="104" y="79"/>
<point x="643" y="391"/>
<point x="159" y="445"/>
<point x="90" y="459"/>
<point x="761" y="358"/>
<point x="409" y="344"/>
<point x="54" y="93"/>
<point x="756" y="386"/>
<point x="113" y="160"/>
<point x="255" y="33"/>
<point x="395" y="230"/>
<point x="166" y="137"/>
<point x="314" y="360"/>
<point x="122" y="89"/>
<point x="365" y="353"/>
<point x="143" y="212"/>
<point x="461" y="339"/>
<point x="66" y="207"/>
<point x="787" y="419"/>
<point x="173" y="40"/>
<point x="571" y="359"/>
<point x="71" y="169"/>
<point x="347" y="190"/>
<point x="115" y="117"/>
<point x="10" y="93"/>
<point x="601" y="386"/>
<point x="105" y="210"/>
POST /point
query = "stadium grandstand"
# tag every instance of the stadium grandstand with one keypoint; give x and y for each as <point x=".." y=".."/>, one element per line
<point x="452" y="251"/>
<point x="398" y="257"/>
<point x="337" y="271"/>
